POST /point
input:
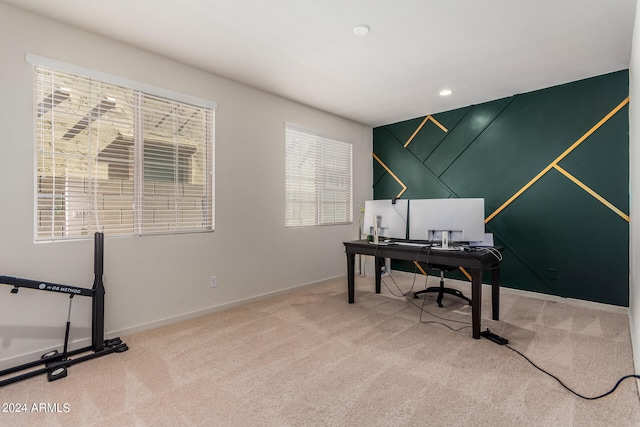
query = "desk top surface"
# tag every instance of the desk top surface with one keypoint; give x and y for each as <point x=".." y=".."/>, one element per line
<point x="474" y="258"/>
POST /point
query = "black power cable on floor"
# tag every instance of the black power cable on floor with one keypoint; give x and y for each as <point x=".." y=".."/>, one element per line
<point x="421" y="307"/>
<point x="568" y="388"/>
<point x="500" y="341"/>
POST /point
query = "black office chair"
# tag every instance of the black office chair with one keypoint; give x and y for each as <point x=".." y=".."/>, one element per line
<point x="441" y="290"/>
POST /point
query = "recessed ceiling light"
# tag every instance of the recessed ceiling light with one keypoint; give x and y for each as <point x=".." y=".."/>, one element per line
<point x="361" y="30"/>
<point x="446" y="92"/>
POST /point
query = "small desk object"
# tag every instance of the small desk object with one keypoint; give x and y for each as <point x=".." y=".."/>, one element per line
<point x="473" y="261"/>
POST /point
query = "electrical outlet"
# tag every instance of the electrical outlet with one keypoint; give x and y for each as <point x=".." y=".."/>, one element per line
<point x="213" y="281"/>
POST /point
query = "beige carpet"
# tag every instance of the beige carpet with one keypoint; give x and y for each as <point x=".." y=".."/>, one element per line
<point x="307" y="358"/>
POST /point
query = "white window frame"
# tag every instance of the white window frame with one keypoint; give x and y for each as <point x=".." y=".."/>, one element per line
<point x="206" y="221"/>
<point x="319" y="178"/>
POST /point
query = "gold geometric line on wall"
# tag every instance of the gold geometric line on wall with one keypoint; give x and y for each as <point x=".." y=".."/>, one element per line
<point x="518" y="193"/>
<point x="404" y="187"/>
<point x="429" y="117"/>
<point x="592" y="193"/>
<point x="417" y="264"/>
<point x="465" y="273"/>
<point x="558" y="159"/>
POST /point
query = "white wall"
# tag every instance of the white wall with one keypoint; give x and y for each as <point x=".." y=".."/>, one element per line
<point x="634" y="192"/>
<point x="158" y="279"/>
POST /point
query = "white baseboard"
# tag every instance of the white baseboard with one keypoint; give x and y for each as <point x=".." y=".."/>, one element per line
<point x="536" y="295"/>
<point x="123" y="332"/>
<point x="572" y="301"/>
<point x="209" y="310"/>
<point x="84" y="342"/>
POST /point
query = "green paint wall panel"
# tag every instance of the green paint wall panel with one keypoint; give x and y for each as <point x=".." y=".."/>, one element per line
<point x="460" y="137"/>
<point x="418" y="179"/>
<point x="431" y="136"/>
<point x="559" y="239"/>
<point x="605" y="154"/>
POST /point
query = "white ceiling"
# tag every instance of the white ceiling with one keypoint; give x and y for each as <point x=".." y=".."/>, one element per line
<point x="305" y="50"/>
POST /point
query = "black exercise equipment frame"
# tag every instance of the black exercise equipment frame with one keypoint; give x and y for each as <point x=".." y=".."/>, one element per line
<point x="56" y="363"/>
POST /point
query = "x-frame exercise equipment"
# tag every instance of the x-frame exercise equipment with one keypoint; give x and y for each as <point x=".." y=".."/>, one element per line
<point x="56" y="363"/>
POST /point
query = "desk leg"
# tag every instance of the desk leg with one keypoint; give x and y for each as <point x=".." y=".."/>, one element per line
<point x="379" y="264"/>
<point x="476" y="301"/>
<point x="351" y="258"/>
<point x="495" y="293"/>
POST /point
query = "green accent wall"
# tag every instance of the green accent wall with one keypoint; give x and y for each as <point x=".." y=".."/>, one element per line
<point x="558" y="238"/>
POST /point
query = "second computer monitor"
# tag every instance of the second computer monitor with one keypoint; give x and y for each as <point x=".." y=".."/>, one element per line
<point x="461" y="218"/>
<point x="391" y="218"/>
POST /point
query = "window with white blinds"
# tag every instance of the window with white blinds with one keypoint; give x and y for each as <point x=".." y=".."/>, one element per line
<point x="119" y="160"/>
<point x="318" y="179"/>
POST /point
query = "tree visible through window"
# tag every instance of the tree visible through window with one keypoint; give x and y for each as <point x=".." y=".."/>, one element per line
<point x="119" y="160"/>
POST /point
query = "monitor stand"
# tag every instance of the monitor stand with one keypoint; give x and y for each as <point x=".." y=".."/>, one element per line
<point x="445" y="243"/>
<point x="445" y="240"/>
<point x="376" y="237"/>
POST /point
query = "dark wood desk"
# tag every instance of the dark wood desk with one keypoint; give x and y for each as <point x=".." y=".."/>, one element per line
<point x="474" y="262"/>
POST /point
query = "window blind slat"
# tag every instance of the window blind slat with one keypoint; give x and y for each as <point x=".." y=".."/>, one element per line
<point x="318" y="179"/>
<point x="88" y="165"/>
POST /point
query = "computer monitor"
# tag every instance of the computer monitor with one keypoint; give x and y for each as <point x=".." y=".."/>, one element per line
<point x="391" y="218"/>
<point x="447" y="220"/>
